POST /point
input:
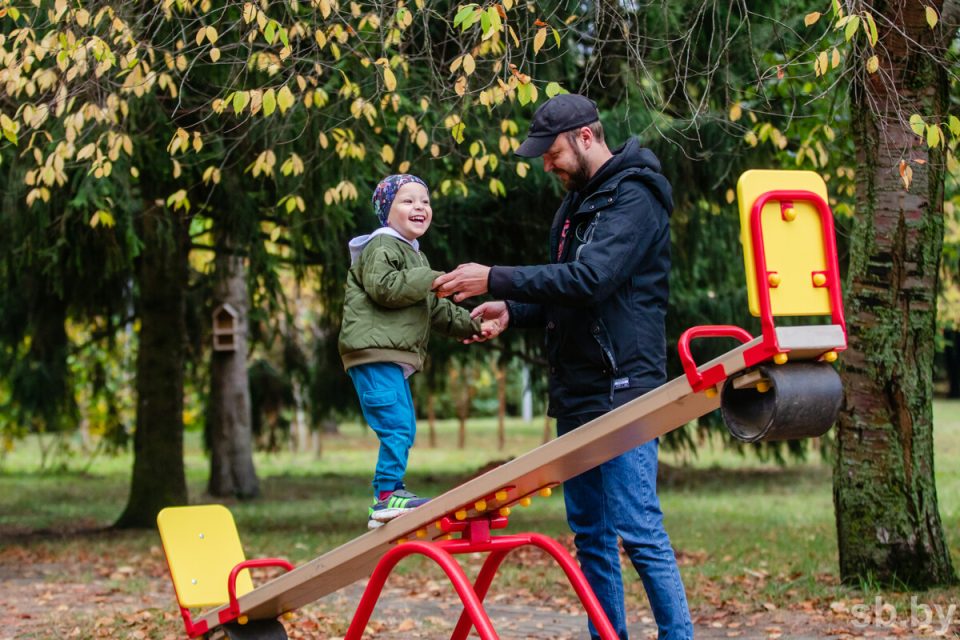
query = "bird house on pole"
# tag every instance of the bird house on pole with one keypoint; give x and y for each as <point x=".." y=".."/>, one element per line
<point x="225" y="328"/>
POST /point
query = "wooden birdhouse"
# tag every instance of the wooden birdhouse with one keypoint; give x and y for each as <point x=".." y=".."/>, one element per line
<point x="225" y="328"/>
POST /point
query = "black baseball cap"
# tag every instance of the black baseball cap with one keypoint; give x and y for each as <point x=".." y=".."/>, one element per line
<point x="558" y="114"/>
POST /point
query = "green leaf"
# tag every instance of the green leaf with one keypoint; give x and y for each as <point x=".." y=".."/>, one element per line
<point x="917" y="124"/>
<point x="934" y="136"/>
<point x="954" y="125"/>
<point x="554" y="88"/>
<point x="524" y="93"/>
<point x="284" y="38"/>
<point x="870" y="26"/>
<point x="457" y="131"/>
<point x="463" y="14"/>
<point x="269" y="102"/>
<point x="240" y="101"/>
<point x="285" y="99"/>
<point x="851" y="29"/>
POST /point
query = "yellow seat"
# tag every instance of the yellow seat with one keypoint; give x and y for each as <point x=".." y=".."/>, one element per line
<point x="202" y="547"/>
<point x="795" y="248"/>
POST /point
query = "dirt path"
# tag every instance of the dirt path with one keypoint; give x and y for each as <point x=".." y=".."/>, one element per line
<point x="86" y="597"/>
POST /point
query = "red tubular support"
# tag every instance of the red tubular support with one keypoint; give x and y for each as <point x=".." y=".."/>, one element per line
<point x="481" y="586"/>
<point x="233" y="611"/>
<point x="435" y="552"/>
<point x="700" y="381"/>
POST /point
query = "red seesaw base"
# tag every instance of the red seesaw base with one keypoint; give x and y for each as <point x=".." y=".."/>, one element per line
<point x="476" y="538"/>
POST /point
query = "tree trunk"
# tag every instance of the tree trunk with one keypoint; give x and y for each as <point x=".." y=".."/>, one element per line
<point x="501" y="374"/>
<point x="232" y="472"/>
<point x="432" y="419"/>
<point x="888" y="523"/>
<point x="158" y="474"/>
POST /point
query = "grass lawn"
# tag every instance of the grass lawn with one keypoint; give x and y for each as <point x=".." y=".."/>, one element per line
<point x="749" y="534"/>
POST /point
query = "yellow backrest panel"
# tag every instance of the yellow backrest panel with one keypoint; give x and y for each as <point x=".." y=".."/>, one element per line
<point x="202" y="546"/>
<point x="794" y="249"/>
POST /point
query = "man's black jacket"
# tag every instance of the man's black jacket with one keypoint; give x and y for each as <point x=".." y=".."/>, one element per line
<point x="604" y="300"/>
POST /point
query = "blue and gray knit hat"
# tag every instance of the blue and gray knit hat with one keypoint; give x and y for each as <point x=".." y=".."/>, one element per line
<point x="386" y="191"/>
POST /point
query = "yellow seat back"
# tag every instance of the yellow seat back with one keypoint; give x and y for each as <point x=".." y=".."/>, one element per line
<point x="202" y="546"/>
<point x="793" y="249"/>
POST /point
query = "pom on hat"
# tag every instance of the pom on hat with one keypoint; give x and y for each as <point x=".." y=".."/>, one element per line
<point x="386" y="191"/>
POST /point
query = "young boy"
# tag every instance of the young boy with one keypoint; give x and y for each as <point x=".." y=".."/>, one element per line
<point x="388" y="311"/>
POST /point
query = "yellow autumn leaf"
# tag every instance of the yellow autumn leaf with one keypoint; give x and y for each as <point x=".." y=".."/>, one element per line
<point x="215" y="54"/>
<point x="389" y="79"/>
<point x="736" y="111"/>
<point x="386" y="154"/>
<point x="212" y="35"/>
<point x="539" y="39"/>
<point x="932" y="16"/>
<point x="285" y="99"/>
<point x="469" y="64"/>
<point x="82" y="16"/>
<point x="269" y="102"/>
<point x="811" y="18"/>
<point x="873" y="63"/>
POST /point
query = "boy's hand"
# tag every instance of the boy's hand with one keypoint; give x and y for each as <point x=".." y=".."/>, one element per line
<point x="494" y="320"/>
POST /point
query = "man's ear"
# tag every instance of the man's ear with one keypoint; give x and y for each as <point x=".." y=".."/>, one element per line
<point x="585" y="135"/>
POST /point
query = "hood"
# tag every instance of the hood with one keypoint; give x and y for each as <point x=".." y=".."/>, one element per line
<point x="357" y="244"/>
<point x="645" y="164"/>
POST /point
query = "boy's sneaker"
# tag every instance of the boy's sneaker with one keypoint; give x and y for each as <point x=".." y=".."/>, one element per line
<point x="398" y="502"/>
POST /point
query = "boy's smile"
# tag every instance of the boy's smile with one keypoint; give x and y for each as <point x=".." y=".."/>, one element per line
<point x="410" y="214"/>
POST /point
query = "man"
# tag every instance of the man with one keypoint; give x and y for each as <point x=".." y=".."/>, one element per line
<point x="602" y="300"/>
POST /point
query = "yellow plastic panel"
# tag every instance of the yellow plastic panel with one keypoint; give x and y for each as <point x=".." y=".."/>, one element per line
<point x="794" y="249"/>
<point x="202" y="546"/>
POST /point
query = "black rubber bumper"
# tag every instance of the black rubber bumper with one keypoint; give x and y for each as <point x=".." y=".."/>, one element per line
<point x="801" y="400"/>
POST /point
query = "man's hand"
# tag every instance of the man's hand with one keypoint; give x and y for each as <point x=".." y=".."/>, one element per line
<point x="464" y="282"/>
<point x="494" y="317"/>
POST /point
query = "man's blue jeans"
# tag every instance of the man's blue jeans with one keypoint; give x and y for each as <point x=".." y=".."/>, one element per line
<point x="619" y="499"/>
<point x="388" y="408"/>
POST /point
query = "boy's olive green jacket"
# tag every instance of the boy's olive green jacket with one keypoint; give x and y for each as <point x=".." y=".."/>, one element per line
<point x="389" y="309"/>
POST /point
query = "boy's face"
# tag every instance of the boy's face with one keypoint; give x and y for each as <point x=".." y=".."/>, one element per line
<point x="410" y="214"/>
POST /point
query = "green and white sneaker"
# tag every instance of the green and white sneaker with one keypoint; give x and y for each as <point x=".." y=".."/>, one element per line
<point x="398" y="502"/>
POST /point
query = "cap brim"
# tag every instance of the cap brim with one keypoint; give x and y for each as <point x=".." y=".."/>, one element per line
<point x="535" y="146"/>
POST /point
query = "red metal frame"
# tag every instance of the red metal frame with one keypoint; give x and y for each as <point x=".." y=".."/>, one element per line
<point x="476" y="538"/>
<point x="768" y="347"/>
<point x="232" y="612"/>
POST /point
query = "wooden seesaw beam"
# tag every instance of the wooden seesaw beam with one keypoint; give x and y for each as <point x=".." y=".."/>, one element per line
<point x="637" y="422"/>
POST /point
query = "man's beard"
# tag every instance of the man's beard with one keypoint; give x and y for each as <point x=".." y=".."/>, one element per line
<point x="581" y="176"/>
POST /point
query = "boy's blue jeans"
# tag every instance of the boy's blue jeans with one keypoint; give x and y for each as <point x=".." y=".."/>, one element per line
<point x="388" y="408"/>
<point x="619" y="499"/>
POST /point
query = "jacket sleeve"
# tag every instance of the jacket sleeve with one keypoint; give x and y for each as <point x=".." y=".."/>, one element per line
<point x="388" y="283"/>
<point x="524" y="315"/>
<point x="621" y="239"/>
<point x="451" y="319"/>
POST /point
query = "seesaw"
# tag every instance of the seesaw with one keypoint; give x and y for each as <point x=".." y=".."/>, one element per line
<point x="779" y="385"/>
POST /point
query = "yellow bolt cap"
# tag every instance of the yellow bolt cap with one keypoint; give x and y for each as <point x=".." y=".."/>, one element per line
<point x="460" y="515"/>
<point x="780" y="358"/>
<point x="288" y="615"/>
<point x="819" y="279"/>
<point x="525" y="502"/>
<point x="421" y="533"/>
<point x="789" y="214"/>
<point x="763" y="387"/>
<point x="401" y="540"/>
<point x="504" y="511"/>
<point x="243" y="619"/>
<point x="830" y="356"/>
<point x="501" y="495"/>
<point x="480" y="505"/>
<point x="774" y="279"/>
<point x="546" y="492"/>
<point x="711" y="392"/>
